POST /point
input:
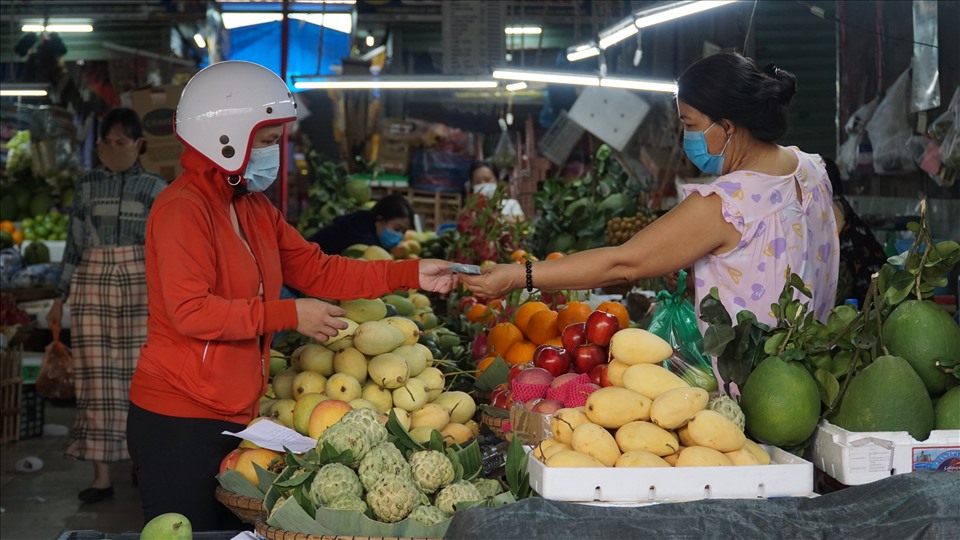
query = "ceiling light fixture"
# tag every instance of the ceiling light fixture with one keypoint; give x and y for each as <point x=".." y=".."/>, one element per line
<point x="398" y="83"/>
<point x="617" y="33"/>
<point x="24" y="90"/>
<point x="517" y="86"/>
<point x="369" y="41"/>
<point x="579" y="52"/>
<point x="546" y="77"/>
<point x="675" y="11"/>
<point x="639" y="84"/>
<point x="198" y="39"/>
<point x="61" y="28"/>
<point x="529" y="30"/>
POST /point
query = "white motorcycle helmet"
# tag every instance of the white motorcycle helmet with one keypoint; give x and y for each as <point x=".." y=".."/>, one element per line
<point x="225" y="104"/>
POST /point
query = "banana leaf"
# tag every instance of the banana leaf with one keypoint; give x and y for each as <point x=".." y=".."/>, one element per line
<point x="234" y="482"/>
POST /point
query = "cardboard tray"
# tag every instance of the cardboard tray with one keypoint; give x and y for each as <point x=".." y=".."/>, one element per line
<point x="786" y="476"/>
<point x="855" y="458"/>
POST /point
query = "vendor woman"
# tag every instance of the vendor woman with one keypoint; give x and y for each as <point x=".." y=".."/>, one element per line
<point x="767" y="215"/>
<point x="382" y="226"/>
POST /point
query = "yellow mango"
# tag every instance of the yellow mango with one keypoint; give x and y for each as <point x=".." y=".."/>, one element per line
<point x="713" y="430"/>
<point x="647" y="437"/>
<point x="637" y="346"/>
<point x="684" y="436"/>
<point x="564" y="421"/>
<point x="612" y="407"/>
<point x="640" y="458"/>
<point x="651" y="380"/>
<point x="377" y="337"/>
<point x="674" y="407"/>
<point x="700" y="456"/>
<point x="758" y="452"/>
<point x="742" y="457"/>
<point x="572" y="458"/>
<point x="597" y="442"/>
<point x="549" y="447"/>
<point x="672" y="458"/>
<point x="615" y="371"/>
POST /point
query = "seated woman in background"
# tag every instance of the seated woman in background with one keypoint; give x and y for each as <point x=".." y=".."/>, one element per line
<point x="861" y="254"/>
<point x="483" y="181"/>
<point x="382" y="226"/>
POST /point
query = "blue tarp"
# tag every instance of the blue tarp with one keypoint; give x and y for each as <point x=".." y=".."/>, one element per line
<point x="260" y="43"/>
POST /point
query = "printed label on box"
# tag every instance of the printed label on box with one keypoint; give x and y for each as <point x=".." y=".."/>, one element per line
<point x="945" y="458"/>
<point x="871" y="455"/>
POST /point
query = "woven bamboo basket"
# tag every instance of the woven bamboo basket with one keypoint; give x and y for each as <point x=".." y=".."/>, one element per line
<point x="496" y="425"/>
<point x="273" y="533"/>
<point x="248" y="509"/>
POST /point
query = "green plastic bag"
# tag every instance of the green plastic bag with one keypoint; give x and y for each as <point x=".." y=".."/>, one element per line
<point x="675" y="321"/>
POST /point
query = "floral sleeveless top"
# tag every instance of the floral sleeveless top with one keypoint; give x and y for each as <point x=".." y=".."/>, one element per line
<point x="780" y="235"/>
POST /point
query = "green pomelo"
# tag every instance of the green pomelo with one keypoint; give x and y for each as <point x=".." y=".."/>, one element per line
<point x="619" y="204"/>
<point x="359" y="190"/>
<point x="922" y="333"/>
<point x="947" y="411"/>
<point x="578" y="206"/>
<point x="887" y="395"/>
<point x="562" y="243"/>
<point x="40" y="204"/>
<point x="781" y="403"/>
<point x="36" y="253"/>
<point x="170" y="526"/>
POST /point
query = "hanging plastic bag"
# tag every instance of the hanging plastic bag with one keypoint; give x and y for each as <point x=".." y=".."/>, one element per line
<point x="504" y="156"/>
<point x="675" y="321"/>
<point x="55" y="380"/>
<point x="890" y="129"/>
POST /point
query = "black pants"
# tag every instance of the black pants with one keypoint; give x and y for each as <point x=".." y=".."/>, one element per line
<point x="177" y="460"/>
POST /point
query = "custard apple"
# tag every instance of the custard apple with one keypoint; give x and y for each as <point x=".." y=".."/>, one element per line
<point x="488" y="487"/>
<point x="428" y="515"/>
<point x="726" y="406"/>
<point x="393" y="498"/>
<point x="431" y="470"/>
<point x="348" y="502"/>
<point x="455" y="493"/>
<point x="359" y="430"/>
<point x="332" y="482"/>
<point x="384" y="459"/>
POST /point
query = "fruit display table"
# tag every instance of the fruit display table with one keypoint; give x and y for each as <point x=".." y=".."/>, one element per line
<point x="918" y="505"/>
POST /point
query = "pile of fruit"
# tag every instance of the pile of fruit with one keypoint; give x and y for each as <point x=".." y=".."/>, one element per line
<point x="621" y="229"/>
<point x="48" y="226"/>
<point x="648" y="417"/>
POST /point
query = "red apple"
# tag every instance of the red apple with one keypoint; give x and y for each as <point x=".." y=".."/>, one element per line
<point x="573" y="335"/>
<point x="229" y="461"/>
<point x="501" y="397"/>
<point x="563" y="379"/>
<point x="535" y="376"/>
<point x="479" y="347"/>
<point x="467" y="302"/>
<point x="579" y="395"/>
<point x="596" y="374"/>
<point x="552" y="358"/>
<point x="516" y="369"/>
<point x="587" y="356"/>
<point x="547" y="406"/>
<point x="605" y="376"/>
<point x="601" y="326"/>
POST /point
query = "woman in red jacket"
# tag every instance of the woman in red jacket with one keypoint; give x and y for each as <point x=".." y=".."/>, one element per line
<point x="217" y="253"/>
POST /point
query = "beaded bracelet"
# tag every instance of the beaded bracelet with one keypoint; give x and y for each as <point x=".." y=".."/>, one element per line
<point x="529" y="276"/>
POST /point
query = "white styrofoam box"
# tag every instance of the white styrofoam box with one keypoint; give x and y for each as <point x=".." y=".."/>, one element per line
<point x="854" y="458"/>
<point x="611" y="114"/>
<point x="786" y="476"/>
<point x="38" y="309"/>
<point x="56" y="249"/>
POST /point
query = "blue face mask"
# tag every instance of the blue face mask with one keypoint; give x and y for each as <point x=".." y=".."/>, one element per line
<point x="389" y="238"/>
<point x="262" y="168"/>
<point x="695" y="146"/>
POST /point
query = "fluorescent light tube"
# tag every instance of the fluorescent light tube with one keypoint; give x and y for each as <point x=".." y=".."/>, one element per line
<point x="581" y="52"/>
<point x="406" y="84"/>
<point x="682" y="9"/>
<point x="546" y="77"/>
<point x="529" y="30"/>
<point x="616" y="37"/>
<point x="513" y="87"/>
<point x="61" y="28"/>
<point x="198" y="39"/>
<point x="22" y="92"/>
<point x="639" y="84"/>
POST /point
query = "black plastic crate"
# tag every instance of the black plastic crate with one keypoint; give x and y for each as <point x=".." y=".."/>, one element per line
<point x="31" y="412"/>
<point x="97" y="535"/>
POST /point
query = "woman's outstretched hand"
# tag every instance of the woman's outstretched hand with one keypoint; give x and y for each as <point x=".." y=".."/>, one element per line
<point x="437" y="276"/>
<point x="496" y="281"/>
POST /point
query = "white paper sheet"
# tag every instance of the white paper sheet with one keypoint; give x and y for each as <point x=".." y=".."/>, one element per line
<point x="273" y="436"/>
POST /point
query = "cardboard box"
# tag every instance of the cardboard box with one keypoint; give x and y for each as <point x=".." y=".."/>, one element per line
<point x="393" y="155"/>
<point x="156" y="107"/>
<point x="786" y="476"/>
<point x="854" y="458"/>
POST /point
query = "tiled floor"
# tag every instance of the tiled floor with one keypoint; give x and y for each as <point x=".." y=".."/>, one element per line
<point x="43" y="504"/>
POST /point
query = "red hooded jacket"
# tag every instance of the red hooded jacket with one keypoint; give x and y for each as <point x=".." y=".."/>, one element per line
<point x="208" y="330"/>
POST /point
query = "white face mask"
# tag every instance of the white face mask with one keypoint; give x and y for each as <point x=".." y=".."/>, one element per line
<point x="487" y="190"/>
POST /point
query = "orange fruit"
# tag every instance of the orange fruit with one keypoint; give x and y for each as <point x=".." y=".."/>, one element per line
<point x="484" y="364"/>
<point x="617" y="309"/>
<point x="518" y="255"/>
<point x="17" y="237"/>
<point x="502" y="337"/>
<point x="7" y="226"/>
<point x="478" y="313"/>
<point x="554" y="255"/>
<point x="496" y="304"/>
<point x="520" y="353"/>
<point x="543" y="327"/>
<point x="556" y="342"/>
<point x="572" y="313"/>
<point x="525" y="311"/>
